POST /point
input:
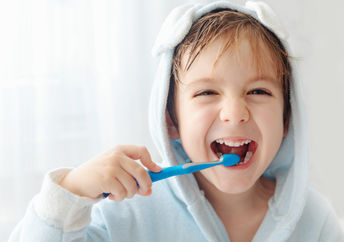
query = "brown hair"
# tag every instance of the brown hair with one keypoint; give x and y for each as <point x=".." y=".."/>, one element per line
<point x="232" y="24"/>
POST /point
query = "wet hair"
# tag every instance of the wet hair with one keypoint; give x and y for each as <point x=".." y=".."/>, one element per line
<point x="232" y="26"/>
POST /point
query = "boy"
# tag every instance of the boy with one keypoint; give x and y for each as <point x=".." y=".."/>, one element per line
<point x="224" y="85"/>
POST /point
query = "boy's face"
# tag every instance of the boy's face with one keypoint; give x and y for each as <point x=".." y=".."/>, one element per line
<point x="230" y="102"/>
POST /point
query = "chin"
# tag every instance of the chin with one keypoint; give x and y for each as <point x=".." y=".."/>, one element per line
<point x="231" y="186"/>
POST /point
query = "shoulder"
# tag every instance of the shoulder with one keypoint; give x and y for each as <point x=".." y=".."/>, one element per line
<point x="318" y="207"/>
<point x="317" y="202"/>
<point x="318" y="220"/>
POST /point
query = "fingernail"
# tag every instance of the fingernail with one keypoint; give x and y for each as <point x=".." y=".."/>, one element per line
<point x="142" y="191"/>
<point x="149" y="192"/>
<point x="157" y="166"/>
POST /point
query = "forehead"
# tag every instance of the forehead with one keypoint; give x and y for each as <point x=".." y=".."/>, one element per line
<point x="250" y="56"/>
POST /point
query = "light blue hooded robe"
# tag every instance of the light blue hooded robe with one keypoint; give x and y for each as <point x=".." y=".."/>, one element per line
<point x="178" y="210"/>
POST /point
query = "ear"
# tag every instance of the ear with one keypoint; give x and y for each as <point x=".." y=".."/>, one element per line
<point x="172" y="130"/>
<point x="286" y="125"/>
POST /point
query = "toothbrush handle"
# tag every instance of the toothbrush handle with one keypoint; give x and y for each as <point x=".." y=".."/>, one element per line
<point x="228" y="160"/>
<point x="167" y="172"/>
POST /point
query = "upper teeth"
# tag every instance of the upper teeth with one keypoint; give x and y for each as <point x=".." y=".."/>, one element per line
<point x="233" y="144"/>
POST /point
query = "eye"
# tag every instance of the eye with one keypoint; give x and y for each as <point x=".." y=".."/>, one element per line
<point x="259" y="92"/>
<point x="205" y="93"/>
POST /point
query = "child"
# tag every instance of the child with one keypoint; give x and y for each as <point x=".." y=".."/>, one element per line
<point x="224" y="85"/>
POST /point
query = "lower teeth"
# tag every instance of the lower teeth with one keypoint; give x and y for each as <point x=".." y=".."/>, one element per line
<point x="247" y="158"/>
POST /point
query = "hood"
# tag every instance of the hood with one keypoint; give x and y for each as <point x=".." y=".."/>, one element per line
<point x="289" y="167"/>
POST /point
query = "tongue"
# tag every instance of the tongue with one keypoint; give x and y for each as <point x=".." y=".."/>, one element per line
<point x="225" y="149"/>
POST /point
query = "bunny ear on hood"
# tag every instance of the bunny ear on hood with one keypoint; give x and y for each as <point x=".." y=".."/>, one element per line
<point x="289" y="167"/>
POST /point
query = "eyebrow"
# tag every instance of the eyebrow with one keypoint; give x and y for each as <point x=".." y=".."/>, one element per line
<point x="268" y="79"/>
<point x="263" y="78"/>
<point x="199" y="81"/>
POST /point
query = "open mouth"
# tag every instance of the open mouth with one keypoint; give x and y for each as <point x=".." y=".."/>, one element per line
<point x="244" y="148"/>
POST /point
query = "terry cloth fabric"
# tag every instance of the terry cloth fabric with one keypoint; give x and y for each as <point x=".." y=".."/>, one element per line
<point x="178" y="210"/>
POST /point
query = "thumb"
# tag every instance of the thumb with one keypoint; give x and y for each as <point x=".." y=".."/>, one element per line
<point x="146" y="160"/>
<point x="140" y="153"/>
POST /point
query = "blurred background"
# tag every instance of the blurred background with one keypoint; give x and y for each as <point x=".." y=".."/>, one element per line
<point x="75" y="79"/>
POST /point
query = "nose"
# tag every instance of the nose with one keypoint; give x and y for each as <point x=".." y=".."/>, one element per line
<point x="234" y="112"/>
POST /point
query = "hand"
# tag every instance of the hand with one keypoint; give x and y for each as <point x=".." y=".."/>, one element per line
<point x="113" y="172"/>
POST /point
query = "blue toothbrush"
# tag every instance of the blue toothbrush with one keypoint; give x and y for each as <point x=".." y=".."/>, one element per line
<point x="226" y="160"/>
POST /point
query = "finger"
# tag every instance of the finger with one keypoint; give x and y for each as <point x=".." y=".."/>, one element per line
<point x="111" y="197"/>
<point x="146" y="160"/>
<point x="129" y="183"/>
<point x="139" y="173"/>
<point x="148" y="193"/>
<point x="117" y="190"/>
<point x="140" y="153"/>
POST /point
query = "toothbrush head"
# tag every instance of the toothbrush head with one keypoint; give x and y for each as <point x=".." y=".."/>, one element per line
<point x="229" y="159"/>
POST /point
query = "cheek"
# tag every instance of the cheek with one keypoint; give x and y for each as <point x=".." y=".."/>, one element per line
<point x="194" y="117"/>
<point x="270" y="115"/>
<point x="194" y="122"/>
<point x="272" y="121"/>
<point x="271" y="125"/>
